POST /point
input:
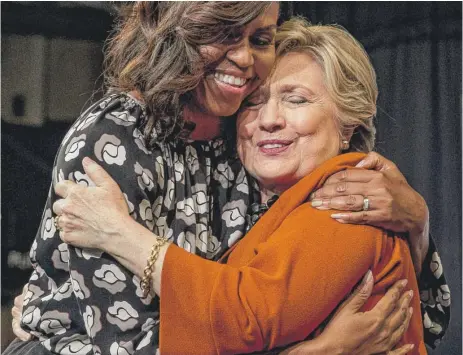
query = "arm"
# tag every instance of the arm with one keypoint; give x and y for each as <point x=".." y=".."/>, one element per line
<point x="394" y="205"/>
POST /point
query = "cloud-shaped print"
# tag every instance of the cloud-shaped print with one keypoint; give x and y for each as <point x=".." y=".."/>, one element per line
<point x="92" y="320"/>
<point x="54" y="322"/>
<point x="179" y="168"/>
<point x="187" y="241"/>
<point x="48" y="227"/>
<point x="146" y="213"/>
<point x="144" y="177"/>
<point x="242" y="182"/>
<point x="224" y="175"/>
<point x="87" y="121"/>
<point x="140" y="141"/>
<point x="78" y="285"/>
<point x="81" y="178"/>
<point x="33" y="292"/>
<point x="186" y="211"/>
<point x="199" y="196"/>
<point x="109" y="149"/>
<point x="234" y="213"/>
<point x="234" y="237"/>
<point x="31" y="317"/>
<point x="443" y="295"/>
<point x="76" y="344"/>
<point x="138" y="291"/>
<point x="109" y="277"/>
<point x="64" y="291"/>
<point x="436" y="265"/>
<point x="192" y="159"/>
<point x="33" y="252"/>
<point x="159" y="166"/>
<point x="74" y="146"/>
<point x="123" y="315"/>
<point x="88" y="253"/>
<point x="121" y="118"/>
<point x="131" y="207"/>
<point x="122" y="348"/>
<point x="68" y="135"/>
<point x="60" y="257"/>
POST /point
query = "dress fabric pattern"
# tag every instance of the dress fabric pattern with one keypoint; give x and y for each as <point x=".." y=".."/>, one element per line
<point x="82" y="301"/>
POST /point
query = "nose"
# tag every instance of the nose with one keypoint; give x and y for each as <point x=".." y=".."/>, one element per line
<point x="242" y="54"/>
<point x="271" y="117"/>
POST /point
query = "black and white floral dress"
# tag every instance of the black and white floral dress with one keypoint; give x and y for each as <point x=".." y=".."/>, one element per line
<point x="81" y="301"/>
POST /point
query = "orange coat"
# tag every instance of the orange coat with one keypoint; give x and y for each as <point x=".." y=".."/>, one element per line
<point x="281" y="280"/>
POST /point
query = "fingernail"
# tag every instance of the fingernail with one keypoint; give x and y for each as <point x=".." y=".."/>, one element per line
<point x="403" y="283"/>
<point x="317" y="203"/>
<point x="410" y="310"/>
<point x="411" y="346"/>
<point x="338" y="215"/>
<point x="366" y="280"/>
<point x="360" y="164"/>
<point x="410" y="293"/>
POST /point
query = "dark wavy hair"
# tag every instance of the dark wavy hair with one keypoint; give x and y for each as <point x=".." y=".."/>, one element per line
<point x="154" y="50"/>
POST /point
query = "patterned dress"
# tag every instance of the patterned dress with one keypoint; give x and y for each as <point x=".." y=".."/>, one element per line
<point x="81" y="301"/>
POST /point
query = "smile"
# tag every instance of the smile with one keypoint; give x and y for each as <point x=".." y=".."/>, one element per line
<point x="273" y="147"/>
<point x="230" y="79"/>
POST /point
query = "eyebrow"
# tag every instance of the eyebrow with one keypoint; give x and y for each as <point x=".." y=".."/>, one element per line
<point x="267" y="28"/>
<point x="291" y="87"/>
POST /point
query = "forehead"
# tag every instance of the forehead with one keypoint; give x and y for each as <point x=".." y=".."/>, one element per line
<point x="268" y="18"/>
<point x="297" y="66"/>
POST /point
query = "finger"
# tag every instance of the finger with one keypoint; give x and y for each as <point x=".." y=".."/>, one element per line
<point x="342" y="188"/>
<point x="58" y="207"/>
<point x="399" y="315"/>
<point x="19" y="332"/>
<point x="375" y="161"/>
<point x="360" y="295"/>
<point x="398" y="334"/>
<point x="342" y="203"/>
<point x="351" y="175"/>
<point x="405" y="349"/>
<point x="63" y="188"/>
<point x="390" y="300"/>
<point x="375" y="218"/>
<point x="97" y="174"/>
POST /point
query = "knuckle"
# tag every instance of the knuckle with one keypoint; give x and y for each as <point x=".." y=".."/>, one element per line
<point x="351" y="201"/>
<point x="343" y="175"/>
<point x="341" y="186"/>
<point x="364" y="217"/>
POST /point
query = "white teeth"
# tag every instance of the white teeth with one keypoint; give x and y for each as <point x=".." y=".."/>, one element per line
<point x="230" y="79"/>
<point x="270" y="146"/>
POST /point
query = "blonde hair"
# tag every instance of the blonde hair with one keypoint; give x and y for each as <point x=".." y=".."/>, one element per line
<point x="350" y="78"/>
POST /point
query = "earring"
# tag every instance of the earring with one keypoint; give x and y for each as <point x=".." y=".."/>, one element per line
<point x="345" y="145"/>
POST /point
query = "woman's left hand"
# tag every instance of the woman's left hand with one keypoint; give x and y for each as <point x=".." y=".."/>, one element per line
<point x="392" y="203"/>
<point x="90" y="217"/>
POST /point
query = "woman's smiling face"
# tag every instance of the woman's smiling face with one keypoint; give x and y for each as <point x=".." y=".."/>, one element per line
<point x="238" y="66"/>
<point x="288" y="127"/>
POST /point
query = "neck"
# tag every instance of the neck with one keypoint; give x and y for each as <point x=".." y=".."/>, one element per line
<point x="207" y="126"/>
<point x="267" y="192"/>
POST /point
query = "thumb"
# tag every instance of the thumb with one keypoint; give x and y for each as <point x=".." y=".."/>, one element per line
<point x="361" y="294"/>
<point x="97" y="174"/>
<point x="375" y="161"/>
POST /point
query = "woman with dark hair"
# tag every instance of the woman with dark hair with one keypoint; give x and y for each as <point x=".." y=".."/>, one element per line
<point x="174" y="69"/>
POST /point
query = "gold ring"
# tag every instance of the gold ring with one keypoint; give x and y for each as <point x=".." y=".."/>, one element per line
<point x="56" y="223"/>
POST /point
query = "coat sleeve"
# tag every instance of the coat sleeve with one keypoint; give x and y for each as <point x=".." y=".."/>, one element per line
<point x="295" y="280"/>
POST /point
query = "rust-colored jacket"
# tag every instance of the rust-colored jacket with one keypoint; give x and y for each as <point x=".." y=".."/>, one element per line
<point x="281" y="280"/>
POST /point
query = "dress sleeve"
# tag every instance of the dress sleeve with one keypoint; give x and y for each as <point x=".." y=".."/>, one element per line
<point x="262" y="304"/>
<point x="103" y="303"/>
<point x="434" y="296"/>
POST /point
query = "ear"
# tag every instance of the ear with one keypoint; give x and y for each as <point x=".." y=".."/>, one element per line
<point x="346" y="136"/>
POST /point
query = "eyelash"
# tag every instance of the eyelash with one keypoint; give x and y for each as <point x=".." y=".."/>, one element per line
<point x="297" y="100"/>
<point x="262" y="41"/>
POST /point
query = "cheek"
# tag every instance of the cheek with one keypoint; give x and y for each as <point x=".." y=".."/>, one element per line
<point x="246" y="124"/>
<point x="264" y="63"/>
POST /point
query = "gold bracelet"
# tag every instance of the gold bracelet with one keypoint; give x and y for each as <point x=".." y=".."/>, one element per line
<point x="145" y="283"/>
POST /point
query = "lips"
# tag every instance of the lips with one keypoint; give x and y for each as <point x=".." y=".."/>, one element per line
<point x="273" y="146"/>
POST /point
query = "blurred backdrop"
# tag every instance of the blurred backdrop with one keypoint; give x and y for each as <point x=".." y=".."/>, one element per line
<point x="51" y="69"/>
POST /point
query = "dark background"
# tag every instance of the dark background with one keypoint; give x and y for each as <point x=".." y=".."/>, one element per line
<point x="51" y="66"/>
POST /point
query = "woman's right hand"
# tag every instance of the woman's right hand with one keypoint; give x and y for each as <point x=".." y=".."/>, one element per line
<point x="16" y="313"/>
<point x="374" y="332"/>
<point x="90" y="217"/>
